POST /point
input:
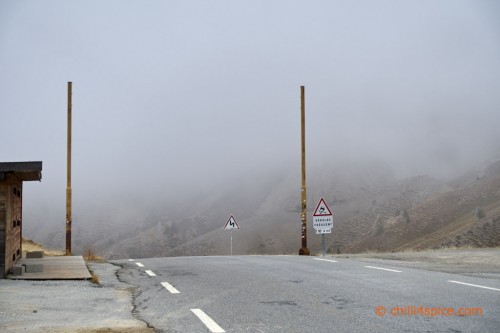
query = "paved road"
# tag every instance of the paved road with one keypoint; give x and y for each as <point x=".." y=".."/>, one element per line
<point x="304" y="294"/>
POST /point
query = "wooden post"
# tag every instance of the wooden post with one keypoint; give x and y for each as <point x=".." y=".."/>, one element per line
<point x="304" y="251"/>
<point x="68" y="179"/>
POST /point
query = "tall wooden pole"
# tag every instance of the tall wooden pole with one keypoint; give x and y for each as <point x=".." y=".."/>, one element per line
<point x="68" y="180"/>
<point x="304" y="251"/>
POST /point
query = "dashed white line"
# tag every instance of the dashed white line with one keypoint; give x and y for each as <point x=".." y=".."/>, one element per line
<point x="131" y="260"/>
<point x="150" y="273"/>
<point x="209" y="323"/>
<point x="170" y="288"/>
<point x="473" y="285"/>
<point x="325" y="260"/>
<point x="384" y="269"/>
<point x="139" y="264"/>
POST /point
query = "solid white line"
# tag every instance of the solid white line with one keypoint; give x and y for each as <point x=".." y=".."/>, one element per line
<point x="209" y="323"/>
<point x="139" y="264"/>
<point x="384" y="269"/>
<point x="474" y="285"/>
<point x="150" y="273"/>
<point x="170" y="288"/>
<point x="325" y="260"/>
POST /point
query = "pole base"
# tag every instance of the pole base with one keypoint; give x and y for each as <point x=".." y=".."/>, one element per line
<point x="304" y="251"/>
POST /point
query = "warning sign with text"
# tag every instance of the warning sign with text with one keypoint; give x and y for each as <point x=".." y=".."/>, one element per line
<point x="323" y="216"/>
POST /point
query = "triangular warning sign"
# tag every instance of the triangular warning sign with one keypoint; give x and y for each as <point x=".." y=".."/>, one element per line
<point x="322" y="209"/>
<point x="231" y="224"/>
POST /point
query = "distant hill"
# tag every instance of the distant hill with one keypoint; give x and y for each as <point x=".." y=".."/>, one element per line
<point x="373" y="211"/>
<point x="467" y="214"/>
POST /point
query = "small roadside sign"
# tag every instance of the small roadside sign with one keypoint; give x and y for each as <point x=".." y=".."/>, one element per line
<point x="323" y="217"/>
<point x="323" y="222"/>
<point x="322" y="209"/>
<point x="231" y="224"/>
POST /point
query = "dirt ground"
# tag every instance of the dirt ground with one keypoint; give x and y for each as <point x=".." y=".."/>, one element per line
<point x="480" y="262"/>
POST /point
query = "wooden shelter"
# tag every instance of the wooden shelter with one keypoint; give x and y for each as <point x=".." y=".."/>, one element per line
<point x="12" y="176"/>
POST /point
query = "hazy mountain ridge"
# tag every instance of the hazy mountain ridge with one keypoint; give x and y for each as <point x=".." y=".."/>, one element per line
<point x="450" y="219"/>
<point x="373" y="211"/>
<point x="411" y="208"/>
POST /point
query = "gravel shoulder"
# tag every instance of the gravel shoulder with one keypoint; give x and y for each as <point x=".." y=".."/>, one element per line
<point x="69" y="306"/>
<point x="484" y="262"/>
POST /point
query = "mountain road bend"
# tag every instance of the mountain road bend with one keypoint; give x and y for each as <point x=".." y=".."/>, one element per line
<point x="305" y="294"/>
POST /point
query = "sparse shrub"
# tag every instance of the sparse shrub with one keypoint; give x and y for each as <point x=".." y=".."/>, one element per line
<point x="479" y="213"/>
<point x="94" y="279"/>
<point x="406" y="216"/>
<point x="89" y="255"/>
<point x="378" y="226"/>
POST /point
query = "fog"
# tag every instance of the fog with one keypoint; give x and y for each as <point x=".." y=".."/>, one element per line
<point x="175" y="98"/>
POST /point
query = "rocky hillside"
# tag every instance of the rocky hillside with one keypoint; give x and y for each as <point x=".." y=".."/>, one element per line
<point x="372" y="212"/>
<point x="468" y="213"/>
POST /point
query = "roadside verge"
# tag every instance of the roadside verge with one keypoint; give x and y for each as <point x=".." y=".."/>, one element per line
<point x="69" y="306"/>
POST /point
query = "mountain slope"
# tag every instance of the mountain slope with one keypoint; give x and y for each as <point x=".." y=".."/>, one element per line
<point x="372" y="212"/>
<point x="467" y="214"/>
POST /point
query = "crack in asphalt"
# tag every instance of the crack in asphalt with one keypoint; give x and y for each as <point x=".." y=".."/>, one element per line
<point x="134" y="294"/>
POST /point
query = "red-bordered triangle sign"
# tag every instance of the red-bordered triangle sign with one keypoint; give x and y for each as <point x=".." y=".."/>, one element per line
<point x="231" y="224"/>
<point x="322" y="209"/>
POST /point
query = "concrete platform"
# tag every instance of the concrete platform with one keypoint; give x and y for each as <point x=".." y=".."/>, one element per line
<point x="56" y="268"/>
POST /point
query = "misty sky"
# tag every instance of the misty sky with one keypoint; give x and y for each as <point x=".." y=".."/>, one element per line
<point x="179" y="95"/>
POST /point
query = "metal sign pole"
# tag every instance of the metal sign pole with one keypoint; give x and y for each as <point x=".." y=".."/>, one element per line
<point x="231" y="242"/>
<point x="323" y="243"/>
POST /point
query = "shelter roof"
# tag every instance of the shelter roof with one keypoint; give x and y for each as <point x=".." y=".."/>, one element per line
<point x="25" y="171"/>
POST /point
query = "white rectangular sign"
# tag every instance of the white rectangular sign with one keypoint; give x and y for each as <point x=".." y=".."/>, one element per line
<point x="323" y="222"/>
<point x="323" y="231"/>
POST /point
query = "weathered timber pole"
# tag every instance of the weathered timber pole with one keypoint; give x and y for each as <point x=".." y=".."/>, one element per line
<point x="304" y="251"/>
<point x="68" y="179"/>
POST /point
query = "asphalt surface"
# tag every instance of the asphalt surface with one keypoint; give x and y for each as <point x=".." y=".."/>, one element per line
<point x="266" y="294"/>
<point x="69" y="306"/>
<point x="304" y="294"/>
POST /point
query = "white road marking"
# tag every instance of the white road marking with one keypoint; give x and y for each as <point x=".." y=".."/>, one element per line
<point x="139" y="264"/>
<point x="325" y="260"/>
<point x="131" y="260"/>
<point x="474" y="285"/>
<point x="209" y="323"/>
<point x="170" y="288"/>
<point x="384" y="269"/>
<point x="150" y="273"/>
